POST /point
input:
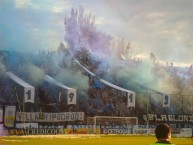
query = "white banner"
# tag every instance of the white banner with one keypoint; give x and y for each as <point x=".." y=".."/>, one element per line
<point x="9" y="119"/>
<point x="71" y="96"/>
<point x="169" y="117"/>
<point x="131" y="100"/>
<point x="26" y="125"/>
<point x="49" y="117"/>
<point x="1" y="114"/>
<point x="29" y="94"/>
<point x="166" y="100"/>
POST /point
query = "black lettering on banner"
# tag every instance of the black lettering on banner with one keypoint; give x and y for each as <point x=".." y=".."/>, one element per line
<point x="169" y="117"/>
<point x="27" y="117"/>
<point x="49" y="131"/>
<point x="67" y="116"/>
<point x="41" y="115"/>
<point x="131" y="98"/>
<point x="45" y="116"/>
<point x="71" y="96"/>
<point x="53" y="116"/>
<point x="76" y="116"/>
<point x="36" y="116"/>
<point x="33" y="131"/>
<point x="117" y="131"/>
<point x="72" y="116"/>
<point x="45" y="131"/>
<point x="19" y="116"/>
<point x="39" y="131"/>
<point x="49" y="117"/>
<point x="163" y="117"/>
<point x="26" y="131"/>
<point x="166" y="100"/>
<point x="80" y="116"/>
<point x="180" y="118"/>
<point x="58" y="117"/>
<point x="157" y="118"/>
<point x="185" y="117"/>
<point x="28" y="93"/>
<point x="62" y="116"/>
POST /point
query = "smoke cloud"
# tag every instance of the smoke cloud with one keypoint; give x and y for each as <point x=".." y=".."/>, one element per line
<point x="73" y="79"/>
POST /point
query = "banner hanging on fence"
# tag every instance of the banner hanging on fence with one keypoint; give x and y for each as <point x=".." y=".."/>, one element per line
<point x="9" y="120"/>
<point x="168" y="117"/>
<point x="49" y="117"/>
<point x="1" y="114"/>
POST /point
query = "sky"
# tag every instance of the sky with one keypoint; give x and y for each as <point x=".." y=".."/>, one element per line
<point x="162" y="27"/>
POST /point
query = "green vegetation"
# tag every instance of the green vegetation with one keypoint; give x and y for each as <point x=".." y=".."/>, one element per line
<point x="86" y="140"/>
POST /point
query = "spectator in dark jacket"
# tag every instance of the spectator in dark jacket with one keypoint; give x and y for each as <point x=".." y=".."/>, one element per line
<point x="192" y="134"/>
<point x="163" y="134"/>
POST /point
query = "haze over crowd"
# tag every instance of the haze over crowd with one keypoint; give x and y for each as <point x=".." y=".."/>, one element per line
<point x="111" y="59"/>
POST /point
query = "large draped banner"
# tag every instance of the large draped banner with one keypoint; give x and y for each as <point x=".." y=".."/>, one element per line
<point x="71" y="93"/>
<point x="28" y="90"/>
<point x="49" y="117"/>
<point x="169" y="117"/>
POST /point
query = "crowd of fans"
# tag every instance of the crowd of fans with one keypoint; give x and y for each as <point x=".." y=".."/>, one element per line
<point x="84" y="40"/>
<point x="102" y="100"/>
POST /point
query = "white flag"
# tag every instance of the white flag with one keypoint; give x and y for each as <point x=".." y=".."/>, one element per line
<point x="71" y="96"/>
<point x="131" y="99"/>
<point x="166" y="100"/>
<point x="29" y="95"/>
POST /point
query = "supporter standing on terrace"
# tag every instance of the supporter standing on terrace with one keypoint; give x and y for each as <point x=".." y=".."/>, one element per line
<point x="163" y="134"/>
